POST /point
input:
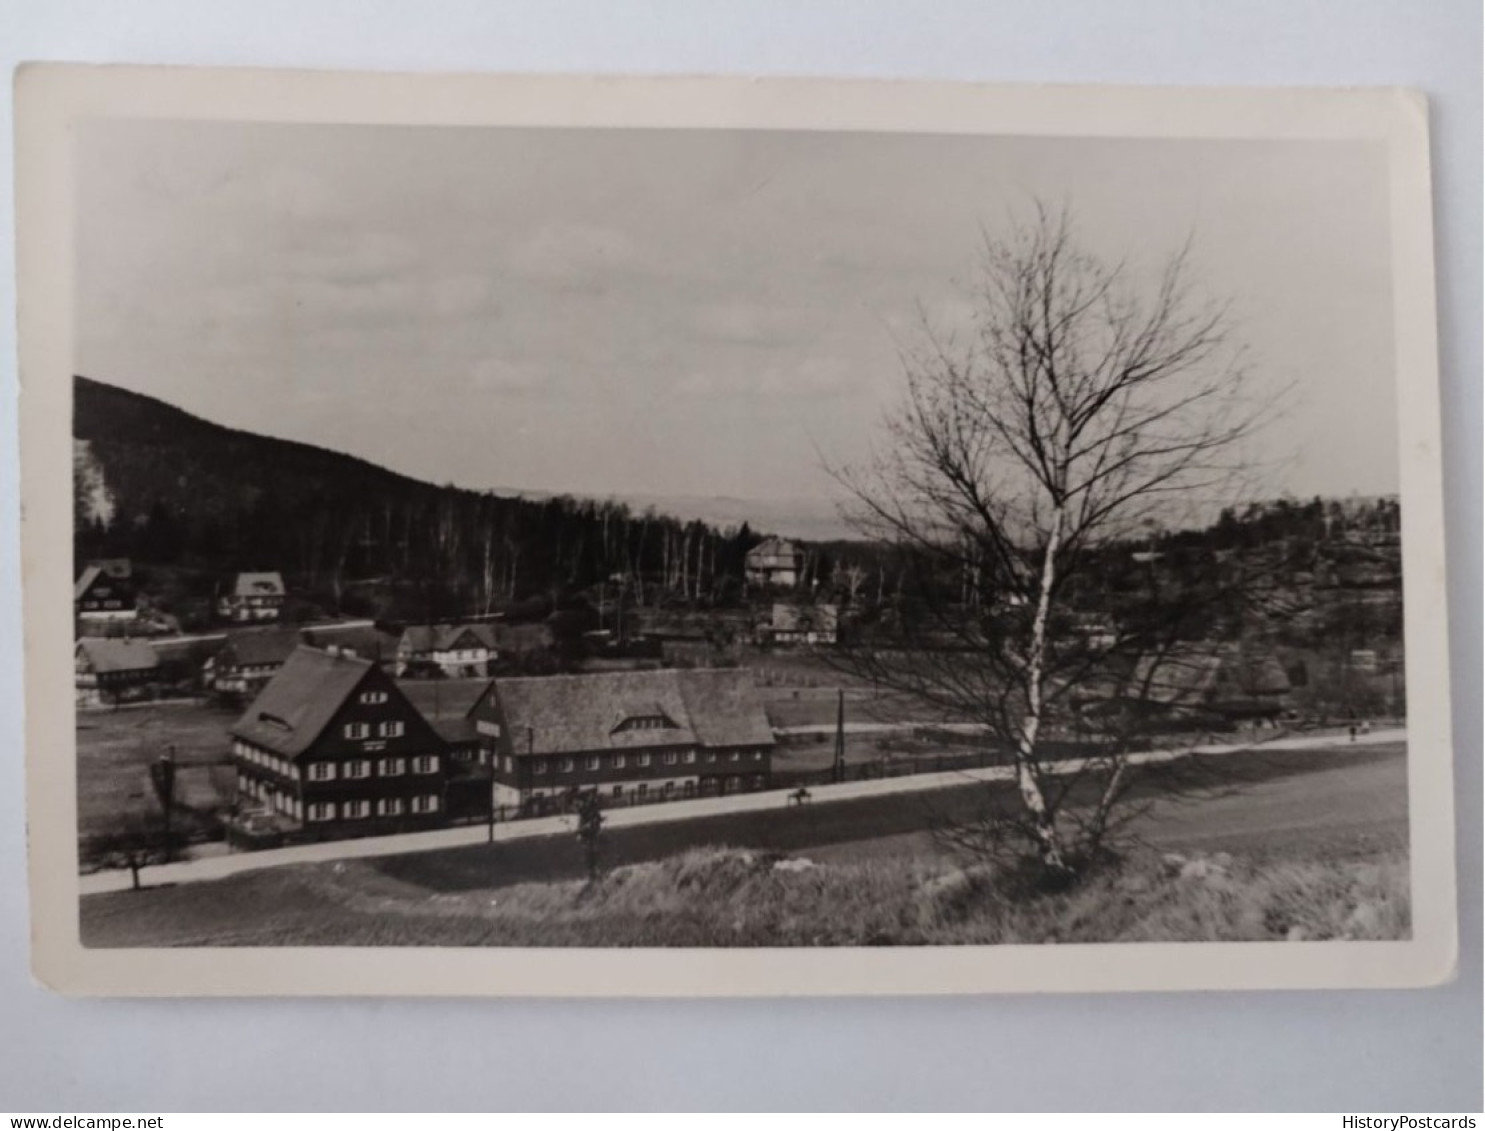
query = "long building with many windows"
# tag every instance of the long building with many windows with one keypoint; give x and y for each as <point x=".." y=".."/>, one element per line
<point x="332" y="746"/>
<point x="634" y="737"/>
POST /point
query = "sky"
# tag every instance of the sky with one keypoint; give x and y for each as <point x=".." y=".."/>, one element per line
<point x="678" y="312"/>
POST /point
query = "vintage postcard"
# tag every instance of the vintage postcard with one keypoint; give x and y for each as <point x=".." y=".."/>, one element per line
<point x="572" y="536"/>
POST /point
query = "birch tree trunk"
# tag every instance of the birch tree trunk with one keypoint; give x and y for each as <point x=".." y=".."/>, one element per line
<point x="1044" y="826"/>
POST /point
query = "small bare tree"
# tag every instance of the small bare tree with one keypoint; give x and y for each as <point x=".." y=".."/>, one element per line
<point x="1087" y="402"/>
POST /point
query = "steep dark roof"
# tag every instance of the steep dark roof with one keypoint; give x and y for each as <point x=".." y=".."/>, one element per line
<point x="519" y="638"/>
<point x="787" y="617"/>
<point x="441" y="637"/>
<point x="1189" y="675"/>
<point x="106" y="654"/>
<point x="575" y="713"/>
<point x="774" y="552"/>
<point x="724" y="707"/>
<point x="269" y="646"/>
<point x="265" y="584"/>
<point x="85" y="582"/>
<point x="455" y="731"/>
<point x="275" y="645"/>
<point x="300" y="700"/>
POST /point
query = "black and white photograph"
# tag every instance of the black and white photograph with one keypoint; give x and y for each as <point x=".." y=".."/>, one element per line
<point x="740" y="537"/>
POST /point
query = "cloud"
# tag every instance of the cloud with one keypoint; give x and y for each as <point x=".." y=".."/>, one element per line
<point x="570" y="252"/>
<point x="809" y="379"/>
<point x="500" y="375"/>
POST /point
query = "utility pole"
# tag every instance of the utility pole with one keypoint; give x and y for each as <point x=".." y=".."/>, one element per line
<point x="838" y="767"/>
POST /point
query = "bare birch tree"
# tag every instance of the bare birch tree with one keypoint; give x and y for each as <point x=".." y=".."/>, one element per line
<point x="1087" y="399"/>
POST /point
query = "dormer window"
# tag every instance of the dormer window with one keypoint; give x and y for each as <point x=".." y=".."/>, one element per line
<point x="644" y="722"/>
<point x="371" y="698"/>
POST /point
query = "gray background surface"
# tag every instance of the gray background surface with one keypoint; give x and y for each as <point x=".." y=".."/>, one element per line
<point x="1327" y="1051"/>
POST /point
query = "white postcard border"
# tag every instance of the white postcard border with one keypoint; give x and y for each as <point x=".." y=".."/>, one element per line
<point x="51" y="98"/>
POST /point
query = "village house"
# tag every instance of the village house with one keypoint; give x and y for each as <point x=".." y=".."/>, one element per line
<point x="634" y="737"/>
<point x="243" y="665"/>
<point x="105" y="593"/>
<point x="774" y="562"/>
<point x="1205" y="682"/>
<point x="249" y="597"/>
<point x="331" y="748"/>
<point x="109" y="670"/>
<point x="248" y="660"/>
<point x="453" y="650"/>
<point x="790" y="624"/>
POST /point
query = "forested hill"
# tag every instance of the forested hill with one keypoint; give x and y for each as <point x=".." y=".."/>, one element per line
<point x="171" y="490"/>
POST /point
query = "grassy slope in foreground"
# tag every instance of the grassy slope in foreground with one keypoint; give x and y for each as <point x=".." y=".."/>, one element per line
<point x="728" y="897"/>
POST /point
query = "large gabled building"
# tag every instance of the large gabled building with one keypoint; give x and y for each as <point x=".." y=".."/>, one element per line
<point x="332" y="747"/>
<point x="634" y="737"/>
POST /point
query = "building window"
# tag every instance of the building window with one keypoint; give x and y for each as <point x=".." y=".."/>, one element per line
<point x="373" y="697"/>
<point x="358" y="768"/>
<point x="507" y="763"/>
<point x="593" y="761"/>
<point x="355" y="810"/>
<point x="564" y="766"/>
<point x="671" y="757"/>
<point x="425" y="803"/>
<point x="618" y="791"/>
<point x="357" y="730"/>
<point x="392" y="730"/>
<point x="690" y="756"/>
<point x="644" y="759"/>
<point x="711" y="755"/>
<point x="668" y="788"/>
<point x="757" y="755"/>
<point x="538" y="765"/>
<point x="322" y="771"/>
<point x="322" y="811"/>
<point x="619" y="761"/>
<point x="425" y="764"/>
<point x="389" y="807"/>
<point x="392" y="767"/>
<point x="643" y="789"/>
<point x="734" y="756"/>
<point x="689" y="789"/>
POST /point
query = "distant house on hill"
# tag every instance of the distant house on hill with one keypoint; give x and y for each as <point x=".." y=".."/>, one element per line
<point x="774" y="561"/>
<point x="453" y="650"/>
<point x="790" y="624"/>
<point x="104" y="593"/>
<point x="251" y="597"/>
<point x="632" y="736"/>
<point x="332" y="747"/>
<point x="108" y="669"/>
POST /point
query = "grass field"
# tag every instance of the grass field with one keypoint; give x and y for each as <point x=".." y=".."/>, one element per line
<point x="719" y="897"/>
<point x="115" y="749"/>
<point x="1278" y="818"/>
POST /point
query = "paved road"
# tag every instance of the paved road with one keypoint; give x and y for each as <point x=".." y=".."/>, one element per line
<point x="219" y="867"/>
